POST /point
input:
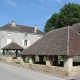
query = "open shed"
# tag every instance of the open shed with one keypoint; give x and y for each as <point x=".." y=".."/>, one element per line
<point x="13" y="47"/>
<point x="63" y="42"/>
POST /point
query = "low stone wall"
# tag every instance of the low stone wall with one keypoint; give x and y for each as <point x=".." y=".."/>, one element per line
<point x="53" y="70"/>
<point x="75" y="70"/>
<point x="10" y="59"/>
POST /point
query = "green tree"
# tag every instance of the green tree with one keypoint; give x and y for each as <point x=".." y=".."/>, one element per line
<point x="68" y="15"/>
<point x="51" y="23"/>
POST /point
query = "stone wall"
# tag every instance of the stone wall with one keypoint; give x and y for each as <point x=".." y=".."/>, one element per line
<point x="10" y="59"/>
<point x="76" y="58"/>
<point x="53" y="70"/>
<point x="75" y="70"/>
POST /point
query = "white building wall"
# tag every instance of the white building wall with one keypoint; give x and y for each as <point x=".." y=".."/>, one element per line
<point x="18" y="38"/>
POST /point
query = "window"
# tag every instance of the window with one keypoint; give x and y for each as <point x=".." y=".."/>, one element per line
<point x="26" y="42"/>
<point x="8" y="41"/>
<point x="9" y="34"/>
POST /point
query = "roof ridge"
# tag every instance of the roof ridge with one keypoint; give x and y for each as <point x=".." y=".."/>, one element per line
<point x="68" y="40"/>
<point x="57" y="29"/>
<point x="21" y="25"/>
<point x="20" y="28"/>
<point x="51" y="32"/>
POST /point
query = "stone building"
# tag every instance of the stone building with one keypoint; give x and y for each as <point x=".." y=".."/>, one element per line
<point x="22" y="35"/>
<point x="64" y="42"/>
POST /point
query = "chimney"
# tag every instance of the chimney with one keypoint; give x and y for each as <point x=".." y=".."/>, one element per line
<point x="13" y="24"/>
<point x="35" y="28"/>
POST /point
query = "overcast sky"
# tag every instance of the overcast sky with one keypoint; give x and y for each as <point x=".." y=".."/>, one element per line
<point x="30" y="12"/>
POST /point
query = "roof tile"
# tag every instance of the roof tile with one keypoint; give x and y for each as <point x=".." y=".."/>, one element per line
<point x="12" y="46"/>
<point x="20" y="28"/>
<point x="64" y="41"/>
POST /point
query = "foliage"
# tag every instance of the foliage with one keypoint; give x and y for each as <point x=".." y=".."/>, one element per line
<point x="68" y="15"/>
<point x="50" y="23"/>
<point x="10" y="53"/>
<point x="17" y="62"/>
<point x="59" y="59"/>
<point x="44" y="59"/>
<point x="36" y="60"/>
<point x="26" y="61"/>
<point x="0" y="59"/>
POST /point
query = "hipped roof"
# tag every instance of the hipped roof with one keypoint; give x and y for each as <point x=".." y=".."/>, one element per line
<point x="12" y="46"/>
<point x="64" y="41"/>
<point x="20" y="28"/>
<point x="76" y="27"/>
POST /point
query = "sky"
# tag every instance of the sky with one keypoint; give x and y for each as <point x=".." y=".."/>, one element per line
<point x="30" y="12"/>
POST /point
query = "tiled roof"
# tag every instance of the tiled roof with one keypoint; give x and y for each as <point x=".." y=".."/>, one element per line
<point x="20" y="28"/>
<point x="12" y="46"/>
<point x="76" y="27"/>
<point x="74" y="42"/>
<point x="64" y="41"/>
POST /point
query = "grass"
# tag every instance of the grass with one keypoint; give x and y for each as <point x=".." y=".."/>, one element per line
<point x="17" y="62"/>
<point x="26" y="61"/>
<point x="44" y="59"/>
<point x="36" y="60"/>
<point x="59" y="59"/>
<point x="0" y="59"/>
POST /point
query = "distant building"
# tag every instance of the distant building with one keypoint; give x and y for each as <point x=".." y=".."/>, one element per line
<point x="22" y="35"/>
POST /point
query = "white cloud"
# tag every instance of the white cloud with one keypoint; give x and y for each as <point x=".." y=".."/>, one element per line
<point x="52" y="1"/>
<point x="12" y="3"/>
<point x="60" y="1"/>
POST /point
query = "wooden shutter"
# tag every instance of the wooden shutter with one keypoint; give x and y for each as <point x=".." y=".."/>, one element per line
<point x="23" y="42"/>
<point x="28" y="43"/>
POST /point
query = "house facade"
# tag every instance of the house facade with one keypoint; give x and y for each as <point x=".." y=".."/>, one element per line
<point x="22" y="35"/>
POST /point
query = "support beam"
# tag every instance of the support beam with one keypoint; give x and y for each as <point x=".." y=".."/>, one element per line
<point x="31" y="59"/>
<point x="49" y="60"/>
<point x="68" y="63"/>
<point x="3" y="52"/>
<point x="16" y="53"/>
